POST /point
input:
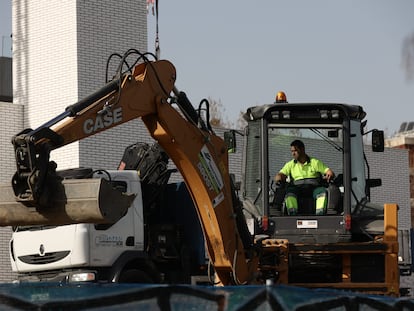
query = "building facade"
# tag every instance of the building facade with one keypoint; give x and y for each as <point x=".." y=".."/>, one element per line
<point x="60" y="50"/>
<point x="405" y="140"/>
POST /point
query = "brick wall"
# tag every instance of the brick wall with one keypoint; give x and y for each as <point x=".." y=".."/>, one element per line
<point x="44" y="51"/>
<point x="105" y="28"/>
<point x="11" y="123"/>
<point x="405" y="140"/>
<point x="45" y="61"/>
<point x="393" y="168"/>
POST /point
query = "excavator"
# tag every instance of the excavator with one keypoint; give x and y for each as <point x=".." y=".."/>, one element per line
<point x="249" y="242"/>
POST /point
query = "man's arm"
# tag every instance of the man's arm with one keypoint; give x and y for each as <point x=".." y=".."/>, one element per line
<point x="321" y="167"/>
<point x="284" y="172"/>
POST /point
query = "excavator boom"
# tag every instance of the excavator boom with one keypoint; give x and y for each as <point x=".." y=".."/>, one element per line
<point x="199" y="155"/>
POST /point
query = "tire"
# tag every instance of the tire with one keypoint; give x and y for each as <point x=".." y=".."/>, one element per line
<point x="134" y="276"/>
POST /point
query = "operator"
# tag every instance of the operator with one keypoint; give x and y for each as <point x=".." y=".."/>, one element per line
<point x="305" y="174"/>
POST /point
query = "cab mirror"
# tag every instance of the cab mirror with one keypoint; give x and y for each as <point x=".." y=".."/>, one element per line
<point x="230" y="141"/>
<point x="377" y="141"/>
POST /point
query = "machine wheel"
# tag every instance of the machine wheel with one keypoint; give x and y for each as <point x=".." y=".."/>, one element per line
<point x="134" y="276"/>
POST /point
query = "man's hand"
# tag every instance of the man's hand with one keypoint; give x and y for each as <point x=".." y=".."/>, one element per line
<point x="280" y="178"/>
<point x="329" y="175"/>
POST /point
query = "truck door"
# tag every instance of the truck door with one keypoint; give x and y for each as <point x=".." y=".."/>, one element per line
<point x="109" y="241"/>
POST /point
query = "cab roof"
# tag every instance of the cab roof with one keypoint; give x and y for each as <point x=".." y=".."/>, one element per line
<point x="265" y="111"/>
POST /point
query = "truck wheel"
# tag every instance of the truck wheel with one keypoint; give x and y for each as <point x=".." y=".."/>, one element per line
<point x="134" y="276"/>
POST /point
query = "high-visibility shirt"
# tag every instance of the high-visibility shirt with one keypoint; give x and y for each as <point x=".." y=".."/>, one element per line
<point x="312" y="168"/>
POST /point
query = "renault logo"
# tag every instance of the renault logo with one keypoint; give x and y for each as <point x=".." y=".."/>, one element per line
<point x="42" y="250"/>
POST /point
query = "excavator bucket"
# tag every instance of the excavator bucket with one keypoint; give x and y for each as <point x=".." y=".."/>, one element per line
<point x="75" y="201"/>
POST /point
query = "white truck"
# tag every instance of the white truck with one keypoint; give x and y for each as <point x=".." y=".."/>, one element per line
<point x="149" y="244"/>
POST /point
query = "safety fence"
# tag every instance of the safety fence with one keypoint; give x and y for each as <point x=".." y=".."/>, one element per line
<point x="53" y="296"/>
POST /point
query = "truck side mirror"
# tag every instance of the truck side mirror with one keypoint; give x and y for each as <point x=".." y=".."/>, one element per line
<point x="377" y="141"/>
<point x="230" y="141"/>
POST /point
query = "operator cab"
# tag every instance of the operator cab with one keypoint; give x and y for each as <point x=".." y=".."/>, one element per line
<point x="330" y="132"/>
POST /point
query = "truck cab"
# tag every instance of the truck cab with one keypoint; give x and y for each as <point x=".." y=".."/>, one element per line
<point x="333" y="133"/>
<point x="144" y="246"/>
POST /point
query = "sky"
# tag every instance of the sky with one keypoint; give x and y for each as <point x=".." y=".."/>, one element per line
<point x="241" y="53"/>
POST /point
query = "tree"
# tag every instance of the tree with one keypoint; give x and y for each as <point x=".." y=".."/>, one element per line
<point x="218" y="117"/>
<point x="408" y="57"/>
<point x="241" y="122"/>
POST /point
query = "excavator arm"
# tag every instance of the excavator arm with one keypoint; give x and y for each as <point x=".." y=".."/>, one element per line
<point x="121" y="100"/>
<point x="197" y="152"/>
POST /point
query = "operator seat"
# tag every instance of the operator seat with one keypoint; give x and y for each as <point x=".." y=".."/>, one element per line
<point x="306" y="202"/>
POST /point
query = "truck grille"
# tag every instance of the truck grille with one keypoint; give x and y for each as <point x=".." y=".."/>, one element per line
<point x="36" y="259"/>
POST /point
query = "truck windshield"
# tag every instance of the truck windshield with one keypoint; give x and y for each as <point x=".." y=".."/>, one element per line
<point x="32" y="228"/>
